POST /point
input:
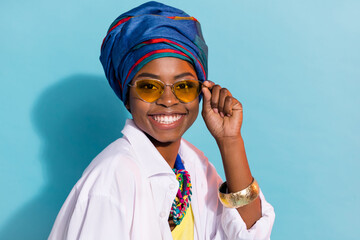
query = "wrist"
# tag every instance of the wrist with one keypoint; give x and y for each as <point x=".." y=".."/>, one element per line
<point x="229" y="140"/>
<point x="233" y="145"/>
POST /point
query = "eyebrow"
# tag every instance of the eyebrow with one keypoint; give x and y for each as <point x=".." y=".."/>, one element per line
<point x="150" y="75"/>
<point x="185" y="74"/>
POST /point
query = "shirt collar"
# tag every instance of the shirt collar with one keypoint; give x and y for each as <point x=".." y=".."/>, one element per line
<point x="148" y="156"/>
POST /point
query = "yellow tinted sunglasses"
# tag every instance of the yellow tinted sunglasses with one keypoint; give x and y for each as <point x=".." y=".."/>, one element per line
<point x="151" y="90"/>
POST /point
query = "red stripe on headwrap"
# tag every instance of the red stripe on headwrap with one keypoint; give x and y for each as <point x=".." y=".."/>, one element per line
<point x="159" y="40"/>
<point x="183" y="18"/>
<point x="128" y="18"/>
<point x="148" y="55"/>
<point x="119" y="23"/>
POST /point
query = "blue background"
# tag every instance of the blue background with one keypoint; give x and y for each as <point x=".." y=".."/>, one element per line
<point x="295" y="66"/>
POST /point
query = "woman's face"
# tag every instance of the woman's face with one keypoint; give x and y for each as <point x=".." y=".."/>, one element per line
<point x="166" y="119"/>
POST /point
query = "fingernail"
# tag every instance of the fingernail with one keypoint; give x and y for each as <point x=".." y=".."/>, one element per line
<point x="222" y="114"/>
<point x="215" y="110"/>
<point x="228" y="115"/>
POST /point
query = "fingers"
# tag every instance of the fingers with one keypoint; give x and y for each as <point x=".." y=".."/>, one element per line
<point x="219" y="99"/>
<point x="206" y="90"/>
<point x="208" y="84"/>
<point x="224" y="97"/>
<point x="215" y="93"/>
<point x="230" y="105"/>
<point x="206" y="99"/>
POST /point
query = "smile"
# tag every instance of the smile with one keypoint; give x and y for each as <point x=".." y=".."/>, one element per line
<point x="166" y="119"/>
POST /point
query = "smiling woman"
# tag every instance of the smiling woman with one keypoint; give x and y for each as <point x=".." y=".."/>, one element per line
<point x="151" y="183"/>
<point x="166" y="119"/>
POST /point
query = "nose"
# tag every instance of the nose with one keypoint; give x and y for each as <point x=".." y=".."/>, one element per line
<point x="168" y="98"/>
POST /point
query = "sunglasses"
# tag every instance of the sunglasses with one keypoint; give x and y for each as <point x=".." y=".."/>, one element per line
<point x="150" y="90"/>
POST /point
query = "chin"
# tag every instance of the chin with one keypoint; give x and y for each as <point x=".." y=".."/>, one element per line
<point x="163" y="140"/>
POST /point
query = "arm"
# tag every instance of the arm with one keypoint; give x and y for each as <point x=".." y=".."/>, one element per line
<point x="223" y="116"/>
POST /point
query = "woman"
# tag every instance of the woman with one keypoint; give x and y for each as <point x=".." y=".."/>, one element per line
<point x="151" y="183"/>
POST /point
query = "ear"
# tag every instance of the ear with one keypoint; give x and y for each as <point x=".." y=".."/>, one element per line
<point x="127" y="106"/>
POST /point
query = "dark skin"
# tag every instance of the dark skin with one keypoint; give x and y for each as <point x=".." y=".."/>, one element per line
<point x="223" y="116"/>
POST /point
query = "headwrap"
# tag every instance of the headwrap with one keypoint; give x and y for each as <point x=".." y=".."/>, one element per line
<point x="149" y="31"/>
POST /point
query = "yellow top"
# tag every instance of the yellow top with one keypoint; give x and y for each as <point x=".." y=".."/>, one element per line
<point x="185" y="231"/>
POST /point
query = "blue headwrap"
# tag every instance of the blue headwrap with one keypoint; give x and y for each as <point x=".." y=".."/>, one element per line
<point x="147" y="32"/>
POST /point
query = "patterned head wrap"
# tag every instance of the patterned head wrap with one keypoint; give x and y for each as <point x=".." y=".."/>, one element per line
<point x="152" y="30"/>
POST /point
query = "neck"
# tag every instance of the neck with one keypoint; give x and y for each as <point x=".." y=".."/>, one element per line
<point x="168" y="150"/>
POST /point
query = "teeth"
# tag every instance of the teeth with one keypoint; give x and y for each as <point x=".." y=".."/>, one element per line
<point x="166" y="119"/>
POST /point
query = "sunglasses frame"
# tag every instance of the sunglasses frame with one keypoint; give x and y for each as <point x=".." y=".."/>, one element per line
<point x="164" y="86"/>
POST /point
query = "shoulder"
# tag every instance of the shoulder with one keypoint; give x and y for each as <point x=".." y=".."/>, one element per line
<point x="116" y="157"/>
<point x="107" y="186"/>
<point x="192" y="153"/>
<point x="112" y="172"/>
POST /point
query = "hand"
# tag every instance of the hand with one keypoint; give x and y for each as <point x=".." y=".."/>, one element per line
<point x="222" y="113"/>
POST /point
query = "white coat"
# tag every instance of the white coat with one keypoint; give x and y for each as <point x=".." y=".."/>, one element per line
<point x="127" y="191"/>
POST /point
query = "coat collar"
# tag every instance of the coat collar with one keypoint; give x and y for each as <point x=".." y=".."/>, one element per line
<point x="148" y="156"/>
